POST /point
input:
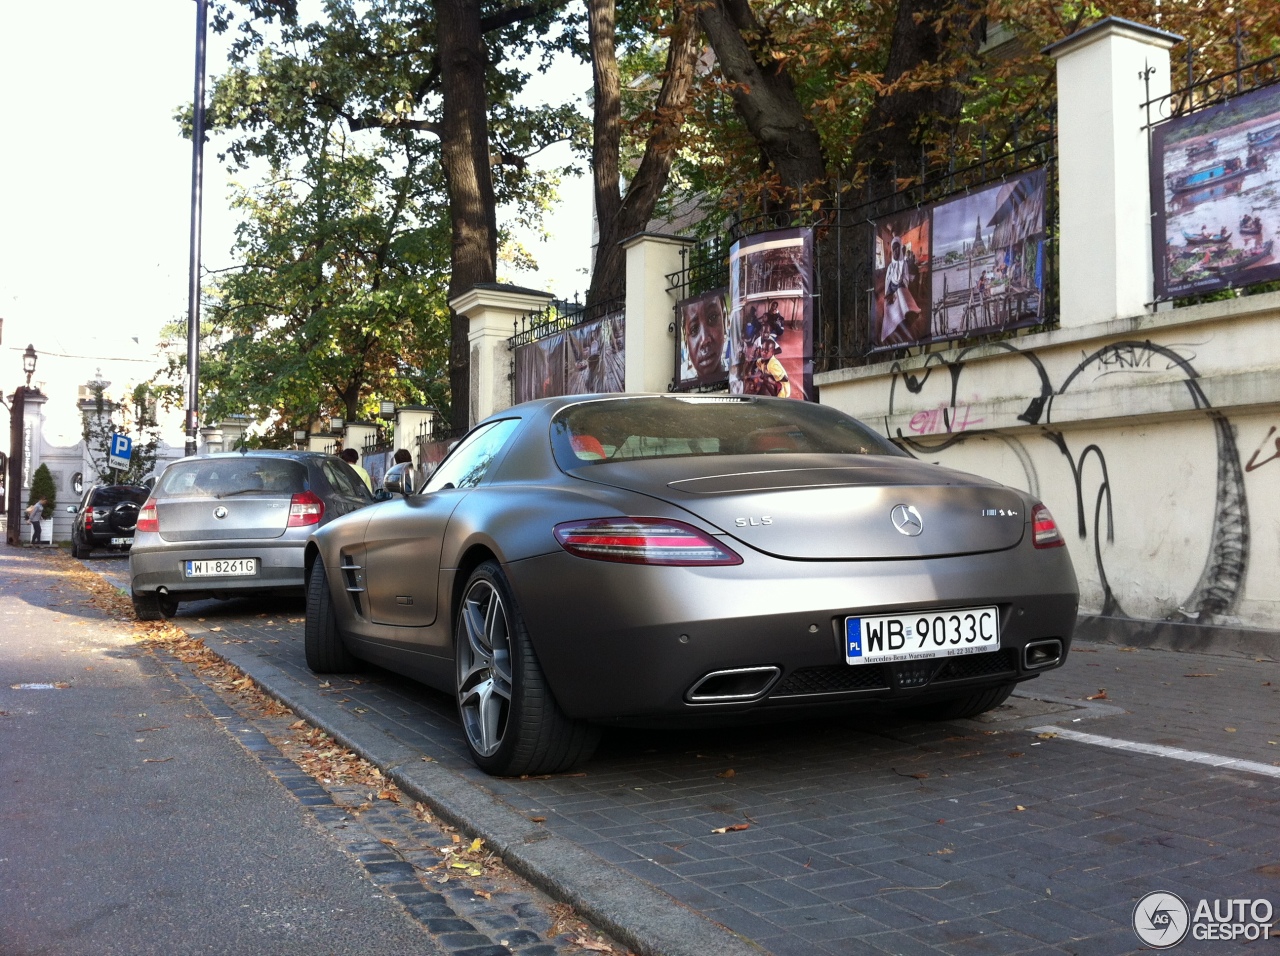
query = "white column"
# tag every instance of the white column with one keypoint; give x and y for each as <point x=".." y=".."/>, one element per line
<point x="651" y="343"/>
<point x="1104" y="263"/>
<point x="492" y="309"/>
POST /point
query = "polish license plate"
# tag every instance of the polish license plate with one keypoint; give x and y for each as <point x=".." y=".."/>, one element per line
<point x="908" y="637"/>
<point x="122" y="541"/>
<point x="222" y="568"/>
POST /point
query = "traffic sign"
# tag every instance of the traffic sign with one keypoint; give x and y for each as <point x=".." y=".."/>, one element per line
<point x="121" y="450"/>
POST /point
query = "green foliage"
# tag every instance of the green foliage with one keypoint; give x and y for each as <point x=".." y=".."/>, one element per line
<point x="340" y="300"/>
<point x="138" y="419"/>
<point x="42" y="486"/>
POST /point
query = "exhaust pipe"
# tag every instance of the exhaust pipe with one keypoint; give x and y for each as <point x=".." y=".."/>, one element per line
<point x="1040" y="654"/>
<point x="735" y="685"/>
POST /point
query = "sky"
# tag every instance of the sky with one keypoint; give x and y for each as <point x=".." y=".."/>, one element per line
<point x="95" y="193"/>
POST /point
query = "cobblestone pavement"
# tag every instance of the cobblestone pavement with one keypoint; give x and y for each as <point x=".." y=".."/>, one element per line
<point x="1024" y="832"/>
<point x="364" y="839"/>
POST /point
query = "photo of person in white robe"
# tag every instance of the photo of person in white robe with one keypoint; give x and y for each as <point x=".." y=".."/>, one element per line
<point x="899" y="304"/>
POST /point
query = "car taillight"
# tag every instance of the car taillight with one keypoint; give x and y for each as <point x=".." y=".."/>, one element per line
<point x="642" y="541"/>
<point x="1044" y="530"/>
<point x="88" y="519"/>
<point x="148" y="517"/>
<point x="305" y="509"/>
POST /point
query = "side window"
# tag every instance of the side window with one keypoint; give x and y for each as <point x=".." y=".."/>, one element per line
<point x="338" y="479"/>
<point x="470" y="461"/>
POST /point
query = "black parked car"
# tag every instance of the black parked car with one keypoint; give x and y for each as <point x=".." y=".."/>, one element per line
<point x="105" y="518"/>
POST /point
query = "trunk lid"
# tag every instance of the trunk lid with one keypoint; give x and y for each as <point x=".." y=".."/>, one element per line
<point x="829" y="507"/>
<point x="261" y="515"/>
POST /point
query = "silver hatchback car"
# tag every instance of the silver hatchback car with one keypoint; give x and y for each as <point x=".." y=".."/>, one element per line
<point x="218" y="525"/>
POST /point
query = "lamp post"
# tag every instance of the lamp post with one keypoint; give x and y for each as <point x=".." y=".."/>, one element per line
<point x="299" y="436"/>
<point x="17" y="452"/>
<point x="193" y="285"/>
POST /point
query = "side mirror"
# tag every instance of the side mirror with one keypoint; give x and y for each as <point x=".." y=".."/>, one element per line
<point x="399" y="480"/>
<point x="72" y="509"/>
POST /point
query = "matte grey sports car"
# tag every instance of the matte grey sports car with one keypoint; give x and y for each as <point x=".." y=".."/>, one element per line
<point x="636" y="558"/>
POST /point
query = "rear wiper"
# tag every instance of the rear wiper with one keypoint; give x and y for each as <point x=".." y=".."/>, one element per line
<point x="247" y="491"/>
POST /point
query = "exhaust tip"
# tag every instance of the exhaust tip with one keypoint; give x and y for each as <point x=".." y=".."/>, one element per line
<point x="735" y="685"/>
<point x="1040" y="654"/>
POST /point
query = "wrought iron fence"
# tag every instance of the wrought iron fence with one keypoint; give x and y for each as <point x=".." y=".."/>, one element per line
<point x="844" y="244"/>
<point x="560" y="314"/>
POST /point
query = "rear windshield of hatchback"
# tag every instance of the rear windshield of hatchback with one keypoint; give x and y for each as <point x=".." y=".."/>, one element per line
<point x="224" y="477"/>
<point x="679" y="426"/>
<point x="112" y="495"/>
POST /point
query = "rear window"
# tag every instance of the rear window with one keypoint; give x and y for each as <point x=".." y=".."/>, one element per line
<point x="112" y="495"/>
<point x="223" y="477"/>
<point x="625" y="429"/>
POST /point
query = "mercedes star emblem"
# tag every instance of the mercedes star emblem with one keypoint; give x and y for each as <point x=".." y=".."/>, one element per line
<point x="221" y="512"/>
<point x="907" y="520"/>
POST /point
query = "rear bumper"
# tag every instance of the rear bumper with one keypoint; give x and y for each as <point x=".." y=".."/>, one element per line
<point x="154" y="568"/>
<point x="624" y="641"/>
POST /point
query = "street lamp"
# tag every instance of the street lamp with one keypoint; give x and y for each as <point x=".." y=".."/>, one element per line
<point x="336" y="423"/>
<point x="299" y="436"/>
<point x="17" y="451"/>
<point x="387" y="410"/>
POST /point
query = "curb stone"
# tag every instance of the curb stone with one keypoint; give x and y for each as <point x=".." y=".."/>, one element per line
<point x="635" y="913"/>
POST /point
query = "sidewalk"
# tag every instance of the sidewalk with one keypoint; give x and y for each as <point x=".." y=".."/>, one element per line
<point x="1026" y="831"/>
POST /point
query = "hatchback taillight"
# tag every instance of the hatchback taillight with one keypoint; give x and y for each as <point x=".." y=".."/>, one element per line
<point x="148" y="517"/>
<point x="1044" y="530"/>
<point x="304" y="509"/>
<point x="642" y="541"/>
<point x="88" y="519"/>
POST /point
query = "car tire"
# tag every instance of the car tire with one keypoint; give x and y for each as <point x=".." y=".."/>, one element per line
<point x="967" y="705"/>
<point x="326" y="652"/>
<point x="511" y="721"/>
<point x="153" y="606"/>
<point x="76" y="550"/>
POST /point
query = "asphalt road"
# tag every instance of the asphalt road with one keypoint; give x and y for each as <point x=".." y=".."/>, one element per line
<point x="131" y="823"/>
<point x="1037" y="830"/>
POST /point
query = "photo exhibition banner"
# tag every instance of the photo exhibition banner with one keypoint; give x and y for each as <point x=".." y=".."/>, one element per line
<point x="1214" y="196"/>
<point x="582" y="360"/>
<point x="702" y="347"/>
<point x="963" y="267"/>
<point x="771" y="314"/>
<point x="540" y="368"/>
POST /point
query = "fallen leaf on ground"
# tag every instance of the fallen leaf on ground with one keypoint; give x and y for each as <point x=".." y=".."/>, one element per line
<point x="733" y="828"/>
<point x="1230" y="730"/>
<point x="1199" y="675"/>
<point x="594" y="945"/>
<point x="1047" y="735"/>
<point x="1019" y="807"/>
<point x="727" y="773"/>
<point x="1100" y="695"/>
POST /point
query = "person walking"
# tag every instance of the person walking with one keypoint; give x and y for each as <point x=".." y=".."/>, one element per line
<point x="352" y="458"/>
<point x="35" y="514"/>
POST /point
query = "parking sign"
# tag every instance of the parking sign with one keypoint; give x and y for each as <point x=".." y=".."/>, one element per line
<point x="121" y="450"/>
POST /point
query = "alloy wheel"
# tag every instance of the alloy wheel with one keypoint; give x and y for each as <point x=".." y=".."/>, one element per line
<point x="484" y="668"/>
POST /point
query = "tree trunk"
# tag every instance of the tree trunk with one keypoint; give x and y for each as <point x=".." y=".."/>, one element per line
<point x="902" y="119"/>
<point x="464" y="144"/>
<point x="630" y="215"/>
<point x="766" y="98"/>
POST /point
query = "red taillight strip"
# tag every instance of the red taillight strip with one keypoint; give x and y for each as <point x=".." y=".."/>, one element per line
<point x="148" y="517"/>
<point x="305" y="509"/>
<point x="643" y="541"/>
<point x="1044" y="530"/>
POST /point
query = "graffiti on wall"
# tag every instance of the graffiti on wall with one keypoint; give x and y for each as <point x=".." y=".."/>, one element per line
<point x="1217" y="592"/>
<point x="1253" y="462"/>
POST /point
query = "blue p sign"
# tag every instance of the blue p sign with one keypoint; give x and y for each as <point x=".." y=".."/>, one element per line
<point x="121" y="450"/>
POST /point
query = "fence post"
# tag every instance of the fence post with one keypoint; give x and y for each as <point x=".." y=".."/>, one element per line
<point x="651" y="346"/>
<point x="1104" y="197"/>
<point x="492" y="308"/>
